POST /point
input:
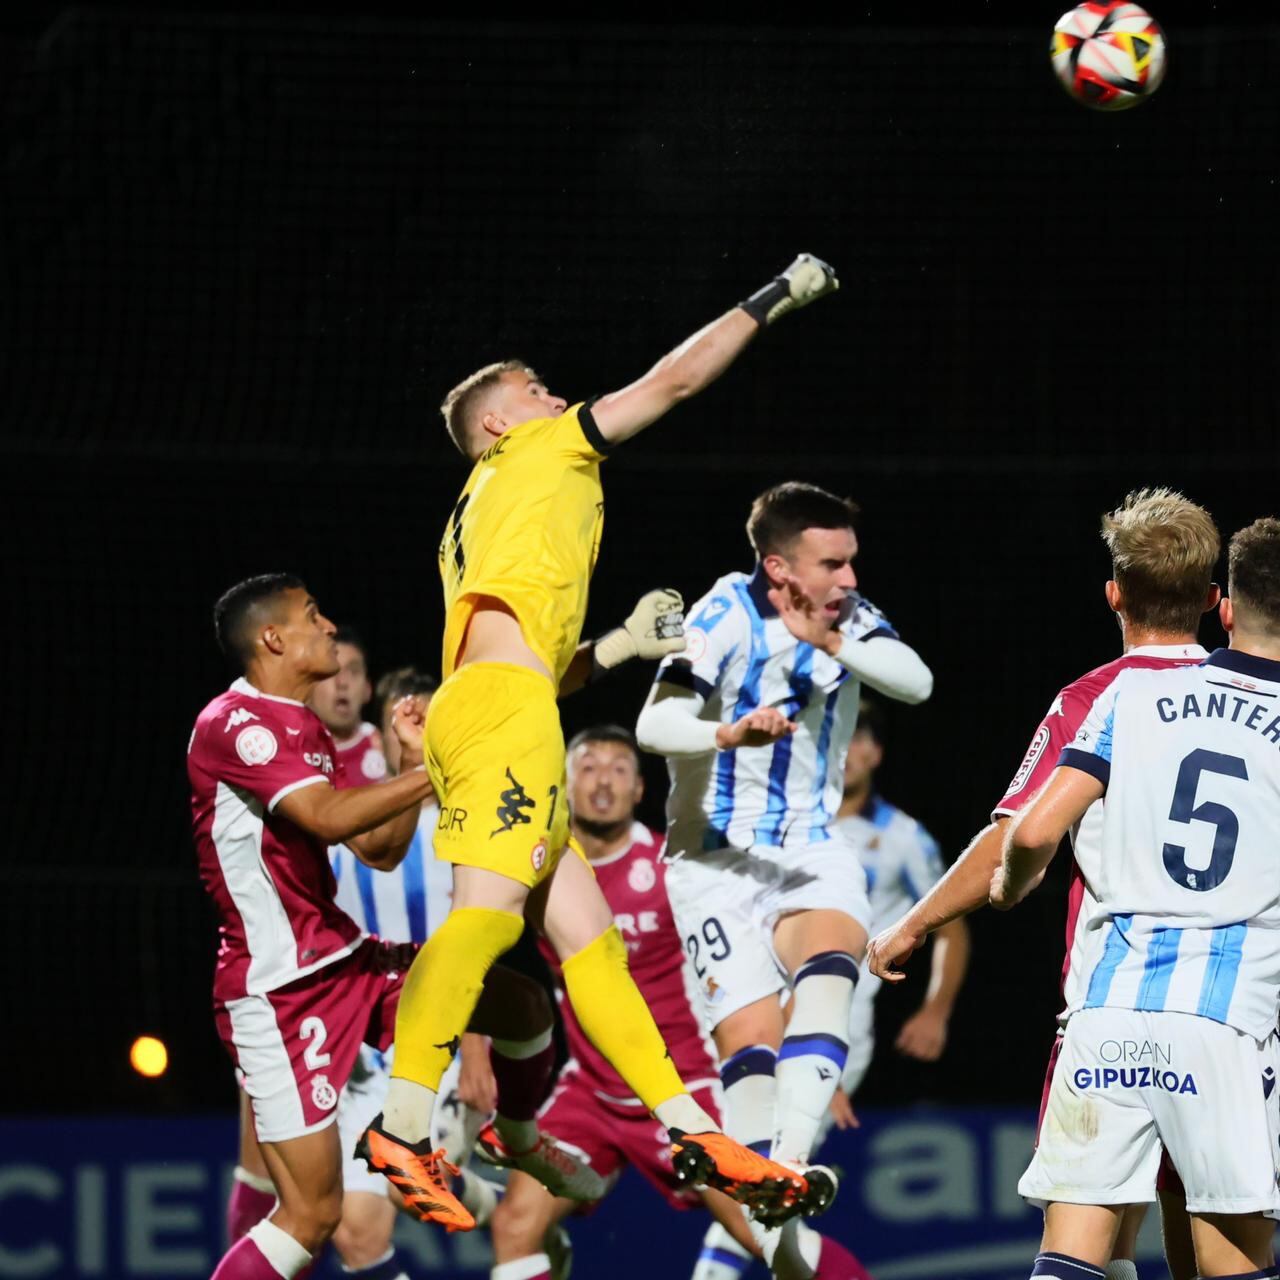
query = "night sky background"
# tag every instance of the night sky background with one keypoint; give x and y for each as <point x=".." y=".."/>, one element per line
<point x="244" y="253"/>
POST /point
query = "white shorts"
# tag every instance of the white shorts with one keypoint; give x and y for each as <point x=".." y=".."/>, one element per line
<point x="361" y="1101"/>
<point x="726" y="903"/>
<point x="1127" y="1083"/>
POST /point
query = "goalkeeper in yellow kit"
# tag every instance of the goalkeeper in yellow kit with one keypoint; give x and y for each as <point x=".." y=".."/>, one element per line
<point x="516" y="557"/>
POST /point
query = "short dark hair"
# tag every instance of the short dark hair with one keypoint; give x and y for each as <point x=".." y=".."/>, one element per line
<point x="460" y="405"/>
<point x="349" y="635"/>
<point x="403" y="682"/>
<point x="1253" y="569"/>
<point x="781" y="514"/>
<point x="235" y="610"/>
<point x="872" y="720"/>
<point x="605" y="733"/>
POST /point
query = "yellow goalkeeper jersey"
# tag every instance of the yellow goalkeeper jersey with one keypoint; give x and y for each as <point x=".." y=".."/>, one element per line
<point x="526" y="530"/>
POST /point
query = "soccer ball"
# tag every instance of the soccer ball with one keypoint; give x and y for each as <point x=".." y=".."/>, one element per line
<point x="1109" y="55"/>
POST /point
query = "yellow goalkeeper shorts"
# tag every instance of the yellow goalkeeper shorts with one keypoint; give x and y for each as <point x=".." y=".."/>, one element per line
<point x="495" y="752"/>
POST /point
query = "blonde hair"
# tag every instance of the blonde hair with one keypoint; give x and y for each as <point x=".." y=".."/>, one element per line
<point x="1163" y="551"/>
<point x="460" y="407"/>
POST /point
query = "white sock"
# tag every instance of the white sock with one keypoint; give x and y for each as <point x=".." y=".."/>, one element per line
<point x="535" y="1267"/>
<point x="1121" y="1269"/>
<point x="279" y="1248"/>
<point x="681" y="1112"/>
<point x="407" y="1111"/>
<point x="749" y="1105"/>
<point x="798" y="1249"/>
<point x="263" y="1185"/>
<point x="813" y="1053"/>
<point x="519" y="1049"/>
<point x="722" y="1257"/>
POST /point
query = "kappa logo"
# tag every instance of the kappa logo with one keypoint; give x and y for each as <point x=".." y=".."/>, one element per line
<point x="1055" y="708"/>
<point x="510" y="812"/>
<point x="241" y="715"/>
<point x="323" y="1094"/>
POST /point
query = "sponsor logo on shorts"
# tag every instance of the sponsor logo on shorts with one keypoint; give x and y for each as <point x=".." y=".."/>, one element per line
<point x="642" y="877"/>
<point x="539" y="855"/>
<point x="714" y="992"/>
<point x="451" y="819"/>
<point x="256" y="744"/>
<point x="374" y="764"/>
<point x="512" y="803"/>
<point x="1135" y="1078"/>
<point x="1155" y="1052"/>
<point x="323" y="1094"/>
<point x="1268" y="1081"/>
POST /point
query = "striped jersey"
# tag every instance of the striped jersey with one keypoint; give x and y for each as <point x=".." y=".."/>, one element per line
<point x="902" y="862"/>
<point x="1188" y="884"/>
<point x="739" y="657"/>
<point x="406" y="904"/>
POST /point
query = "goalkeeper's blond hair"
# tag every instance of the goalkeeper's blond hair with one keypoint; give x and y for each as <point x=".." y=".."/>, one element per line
<point x="1163" y="551"/>
<point x="463" y="406"/>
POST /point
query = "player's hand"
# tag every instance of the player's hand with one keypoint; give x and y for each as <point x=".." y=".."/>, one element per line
<point x="923" y="1036"/>
<point x="654" y="629"/>
<point x="408" y="719"/>
<point x="755" y="729"/>
<point x="477" y="1087"/>
<point x="802" y="617"/>
<point x="806" y="280"/>
<point x="842" y="1111"/>
<point x="889" y="951"/>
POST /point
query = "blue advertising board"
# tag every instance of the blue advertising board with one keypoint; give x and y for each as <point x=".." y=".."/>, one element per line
<point x="925" y="1193"/>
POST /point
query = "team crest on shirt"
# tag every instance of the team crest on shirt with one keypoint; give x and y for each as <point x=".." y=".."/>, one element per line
<point x="642" y="877"/>
<point x="1030" y="760"/>
<point x="374" y="765"/>
<point x="323" y="1094"/>
<point x="695" y="644"/>
<point x="256" y="744"/>
<point x="539" y="855"/>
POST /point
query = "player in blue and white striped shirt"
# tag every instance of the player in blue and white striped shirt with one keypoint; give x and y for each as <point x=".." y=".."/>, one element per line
<point x="755" y="718"/>
<point x="1171" y="1038"/>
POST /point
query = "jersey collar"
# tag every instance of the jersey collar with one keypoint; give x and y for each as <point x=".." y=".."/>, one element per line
<point x="1167" y="651"/>
<point x="250" y="691"/>
<point x="1245" y="664"/>
<point x="758" y="590"/>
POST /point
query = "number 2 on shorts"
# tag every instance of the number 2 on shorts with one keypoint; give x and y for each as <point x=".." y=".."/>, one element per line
<point x="718" y="945"/>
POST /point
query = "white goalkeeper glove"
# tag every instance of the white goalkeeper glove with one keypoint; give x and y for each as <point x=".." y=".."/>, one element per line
<point x="803" y="282"/>
<point x="654" y="629"/>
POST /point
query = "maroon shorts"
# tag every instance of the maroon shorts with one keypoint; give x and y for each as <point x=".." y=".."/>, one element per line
<point x="294" y="1047"/>
<point x="609" y="1135"/>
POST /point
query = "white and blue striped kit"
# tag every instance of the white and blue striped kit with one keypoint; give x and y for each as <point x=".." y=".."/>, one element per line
<point x="741" y="657"/>
<point x="1189" y="877"/>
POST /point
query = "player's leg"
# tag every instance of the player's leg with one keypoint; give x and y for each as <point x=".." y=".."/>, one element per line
<point x="578" y="922"/>
<point x="1077" y="1236"/>
<point x="1175" y="1224"/>
<point x="363" y="1239"/>
<point x="307" y="1173"/>
<point x="252" y="1195"/>
<point x="520" y="1224"/>
<point x="1236" y="1245"/>
<point x="821" y="949"/>
<point x="1122" y="1265"/>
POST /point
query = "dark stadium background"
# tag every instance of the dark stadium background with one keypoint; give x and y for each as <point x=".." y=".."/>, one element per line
<point x="245" y="251"/>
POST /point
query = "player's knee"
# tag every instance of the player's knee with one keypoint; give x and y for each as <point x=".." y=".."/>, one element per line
<point x="518" y="1224"/>
<point x="361" y="1242"/>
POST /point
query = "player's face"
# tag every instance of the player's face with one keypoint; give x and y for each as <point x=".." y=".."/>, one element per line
<point x="864" y="757"/>
<point x="522" y="398"/>
<point x="604" y="782"/>
<point x="337" y="700"/>
<point x="821" y="561"/>
<point x="306" y="635"/>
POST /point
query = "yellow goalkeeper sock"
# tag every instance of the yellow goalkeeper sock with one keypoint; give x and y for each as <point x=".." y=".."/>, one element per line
<point x="442" y="987"/>
<point x="617" y="1021"/>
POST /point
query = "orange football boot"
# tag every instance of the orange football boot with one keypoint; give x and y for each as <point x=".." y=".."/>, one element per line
<point x="771" y="1192"/>
<point x="420" y="1174"/>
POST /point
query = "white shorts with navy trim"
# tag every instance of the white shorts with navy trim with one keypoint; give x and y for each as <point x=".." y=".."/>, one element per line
<point x="726" y="903"/>
<point x="1128" y="1083"/>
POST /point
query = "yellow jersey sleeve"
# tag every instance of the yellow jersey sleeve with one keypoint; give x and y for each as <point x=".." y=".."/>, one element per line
<point x="526" y="530"/>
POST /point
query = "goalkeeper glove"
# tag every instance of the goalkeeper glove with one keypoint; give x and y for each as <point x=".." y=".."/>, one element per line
<point x="803" y="282"/>
<point x="654" y="629"/>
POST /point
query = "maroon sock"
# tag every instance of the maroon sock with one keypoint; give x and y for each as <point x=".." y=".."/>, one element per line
<point x="522" y="1082"/>
<point x="835" y="1262"/>
<point x="244" y="1261"/>
<point x="246" y="1207"/>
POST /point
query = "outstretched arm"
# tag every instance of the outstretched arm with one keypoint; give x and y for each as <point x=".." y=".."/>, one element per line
<point x="653" y="630"/>
<point x="698" y="361"/>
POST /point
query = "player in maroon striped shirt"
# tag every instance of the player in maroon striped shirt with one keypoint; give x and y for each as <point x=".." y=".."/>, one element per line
<point x="1164" y="549"/>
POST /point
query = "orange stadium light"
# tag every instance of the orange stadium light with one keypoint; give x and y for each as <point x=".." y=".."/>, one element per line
<point x="149" y="1057"/>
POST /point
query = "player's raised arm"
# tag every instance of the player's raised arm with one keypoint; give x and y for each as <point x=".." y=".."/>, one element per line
<point x="698" y="361"/>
